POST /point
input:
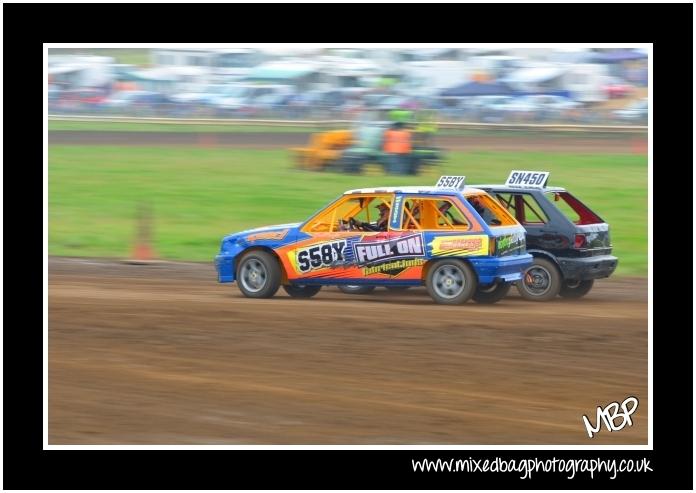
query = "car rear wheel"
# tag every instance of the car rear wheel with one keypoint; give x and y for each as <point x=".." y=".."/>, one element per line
<point x="576" y="289"/>
<point x="355" y="289"/>
<point x="300" y="291"/>
<point x="258" y="275"/>
<point x="451" y="282"/>
<point x="540" y="282"/>
<point x="491" y="294"/>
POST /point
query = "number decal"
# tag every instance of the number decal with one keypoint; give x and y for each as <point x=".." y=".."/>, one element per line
<point x="527" y="179"/>
<point x="320" y="256"/>
<point x="456" y="182"/>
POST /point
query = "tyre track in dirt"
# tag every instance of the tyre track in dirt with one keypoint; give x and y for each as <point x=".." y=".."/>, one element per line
<point x="163" y="354"/>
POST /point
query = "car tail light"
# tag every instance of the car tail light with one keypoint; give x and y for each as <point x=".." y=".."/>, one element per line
<point x="580" y="241"/>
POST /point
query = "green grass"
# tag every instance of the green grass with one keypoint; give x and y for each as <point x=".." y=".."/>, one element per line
<point x="133" y="56"/>
<point x="198" y="195"/>
<point x="172" y="127"/>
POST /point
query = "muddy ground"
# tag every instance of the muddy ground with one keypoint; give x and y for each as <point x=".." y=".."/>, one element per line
<point x="162" y="354"/>
<point x="541" y="143"/>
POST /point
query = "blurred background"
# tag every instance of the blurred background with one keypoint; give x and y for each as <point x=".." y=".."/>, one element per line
<point x="218" y="140"/>
<point x="474" y="85"/>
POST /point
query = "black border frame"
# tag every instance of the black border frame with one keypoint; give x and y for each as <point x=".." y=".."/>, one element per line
<point x="27" y="26"/>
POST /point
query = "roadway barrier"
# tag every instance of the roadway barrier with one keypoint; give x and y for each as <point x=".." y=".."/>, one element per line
<point x="555" y="127"/>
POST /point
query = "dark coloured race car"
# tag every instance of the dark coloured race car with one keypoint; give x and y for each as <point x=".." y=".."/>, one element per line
<point x="570" y="243"/>
<point x="457" y="241"/>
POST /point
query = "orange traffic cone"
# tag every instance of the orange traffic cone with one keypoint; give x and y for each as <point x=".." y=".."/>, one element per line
<point x="143" y="253"/>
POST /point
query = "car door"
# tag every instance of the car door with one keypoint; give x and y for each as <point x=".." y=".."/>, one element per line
<point x="339" y="243"/>
<point x="364" y="248"/>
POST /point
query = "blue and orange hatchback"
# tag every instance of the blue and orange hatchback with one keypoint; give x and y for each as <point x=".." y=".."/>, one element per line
<point x="457" y="241"/>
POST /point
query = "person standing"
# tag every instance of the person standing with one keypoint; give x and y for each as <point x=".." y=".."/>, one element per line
<point x="397" y="146"/>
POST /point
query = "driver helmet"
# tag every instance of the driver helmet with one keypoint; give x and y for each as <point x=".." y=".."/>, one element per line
<point x="477" y="205"/>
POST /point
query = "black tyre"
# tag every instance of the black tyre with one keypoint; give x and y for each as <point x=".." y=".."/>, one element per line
<point x="355" y="289"/>
<point x="491" y="294"/>
<point x="258" y="275"/>
<point x="352" y="164"/>
<point x="576" y="289"/>
<point x="541" y="281"/>
<point x="451" y="282"/>
<point x="396" y="288"/>
<point x="299" y="291"/>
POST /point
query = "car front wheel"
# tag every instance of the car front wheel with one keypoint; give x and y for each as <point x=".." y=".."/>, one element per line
<point x="258" y="275"/>
<point x="491" y="294"/>
<point x="451" y="282"/>
<point x="576" y="289"/>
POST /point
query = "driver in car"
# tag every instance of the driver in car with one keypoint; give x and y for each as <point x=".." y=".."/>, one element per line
<point x="380" y="225"/>
<point x="485" y="213"/>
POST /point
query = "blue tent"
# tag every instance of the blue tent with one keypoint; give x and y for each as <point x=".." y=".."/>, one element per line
<point x="478" y="89"/>
<point x="617" y="56"/>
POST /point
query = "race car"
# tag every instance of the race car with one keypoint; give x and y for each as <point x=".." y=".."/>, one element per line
<point x="571" y="244"/>
<point x="458" y="241"/>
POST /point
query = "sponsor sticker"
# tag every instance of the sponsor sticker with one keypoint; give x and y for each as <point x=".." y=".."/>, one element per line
<point x="527" y="179"/>
<point x="395" y="212"/>
<point x="268" y="235"/>
<point x="459" y="245"/>
<point x="510" y="243"/>
<point x="393" y="268"/>
<point x="372" y="252"/>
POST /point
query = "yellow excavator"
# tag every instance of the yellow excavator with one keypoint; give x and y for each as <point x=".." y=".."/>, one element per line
<point x="349" y="150"/>
<point x="323" y="150"/>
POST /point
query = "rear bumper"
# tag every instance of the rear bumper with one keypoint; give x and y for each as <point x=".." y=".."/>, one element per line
<point x="224" y="265"/>
<point x="586" y="268"/>
<point x="506" y="269"/>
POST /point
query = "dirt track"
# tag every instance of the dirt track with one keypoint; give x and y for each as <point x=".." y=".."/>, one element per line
<point x="163" y="354"/>
<point x="550" y="143"/>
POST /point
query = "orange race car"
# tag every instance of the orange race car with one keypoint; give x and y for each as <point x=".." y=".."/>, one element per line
<point x="458" y="241"/>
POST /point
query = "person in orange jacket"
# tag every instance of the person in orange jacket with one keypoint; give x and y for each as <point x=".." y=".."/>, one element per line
<point x="397" y="146"/>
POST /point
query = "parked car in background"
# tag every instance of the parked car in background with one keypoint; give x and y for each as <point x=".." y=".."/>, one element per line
<point x="137" y="100"/>
<point x="201" y="94"/>
<point x="489" y="108"/>
<point x="84" y="95"/>
<point x="635" y="112"/>
<point x="517" y="108"/>
<point x="537" y="107"/>
<point x="617" y="88"/>
<point x="241" y="98"/>
<point x="552" y="101"/>
<point x="54" y="93"/>
<point x="270" y="103"/>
